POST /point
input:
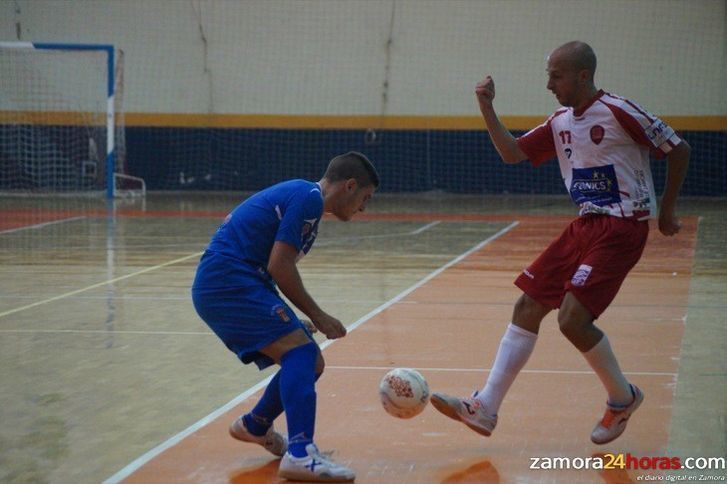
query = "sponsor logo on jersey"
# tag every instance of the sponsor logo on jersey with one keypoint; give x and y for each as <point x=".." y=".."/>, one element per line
<point x="307" y="237"/>
<point x="307" y="226"/>
<point x="597" y="133"/>
<point x="659" y="132"/>
<point x="579" y="278"/>
<point x="645" y="203"/>
<point x="596" y="185"/>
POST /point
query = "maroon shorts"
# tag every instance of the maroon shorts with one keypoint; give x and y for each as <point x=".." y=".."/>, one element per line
<point x="590" y="259"/>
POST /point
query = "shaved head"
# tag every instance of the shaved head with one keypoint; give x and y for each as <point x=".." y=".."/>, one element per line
<point x="570" y="74"/>
<point x="577" y="55"/>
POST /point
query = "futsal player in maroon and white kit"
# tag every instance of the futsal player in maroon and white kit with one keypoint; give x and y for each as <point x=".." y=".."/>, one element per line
<point x="602" y="143"/>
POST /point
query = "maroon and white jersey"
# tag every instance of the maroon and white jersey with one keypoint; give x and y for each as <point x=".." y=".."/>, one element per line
<point x="603" y="151"/>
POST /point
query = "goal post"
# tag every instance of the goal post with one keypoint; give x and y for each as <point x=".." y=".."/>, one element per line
<point x="61" y="122"/>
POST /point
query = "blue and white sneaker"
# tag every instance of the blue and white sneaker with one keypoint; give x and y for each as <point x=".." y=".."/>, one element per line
<point x="314" y="467"/>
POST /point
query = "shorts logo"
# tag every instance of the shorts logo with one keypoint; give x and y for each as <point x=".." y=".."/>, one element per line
<point x="579" y="278"/>
<point x="597" y="133"/>
<point x="280" y="311"/>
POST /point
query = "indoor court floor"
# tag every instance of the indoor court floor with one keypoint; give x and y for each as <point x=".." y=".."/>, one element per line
<point x="108" y="374"/>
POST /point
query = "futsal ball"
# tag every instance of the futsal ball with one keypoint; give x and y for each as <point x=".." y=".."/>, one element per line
<point x="404" y="392"/>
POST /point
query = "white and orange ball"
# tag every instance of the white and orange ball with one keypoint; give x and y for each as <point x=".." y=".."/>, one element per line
<point x="404" y="392"/>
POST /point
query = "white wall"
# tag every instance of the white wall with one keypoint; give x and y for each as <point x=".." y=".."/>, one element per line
<point x="330" y="57"/>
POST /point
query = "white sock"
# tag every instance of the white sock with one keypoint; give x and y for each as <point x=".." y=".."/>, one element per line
<point x="515" y="348"/>
<point x="603" y="362"/>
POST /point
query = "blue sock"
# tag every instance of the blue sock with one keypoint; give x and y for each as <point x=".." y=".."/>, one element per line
<point x="298" y="393"/>
<point x="259" y="420"/>
<point x="268" y="408"/>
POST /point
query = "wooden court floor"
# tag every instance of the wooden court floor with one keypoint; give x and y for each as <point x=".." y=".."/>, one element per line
<point x="108" y="375"/>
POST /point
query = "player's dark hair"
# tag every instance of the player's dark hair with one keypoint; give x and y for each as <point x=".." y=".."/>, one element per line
<point x="352" y="165"/>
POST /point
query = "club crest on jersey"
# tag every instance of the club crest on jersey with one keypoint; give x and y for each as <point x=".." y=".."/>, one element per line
<point x="579" y="278"/>
<point x="282" y="314"/>
<point x="597" y="133"/>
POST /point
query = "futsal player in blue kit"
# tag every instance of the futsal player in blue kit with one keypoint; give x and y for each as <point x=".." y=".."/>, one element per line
<point x="251" y="255"/>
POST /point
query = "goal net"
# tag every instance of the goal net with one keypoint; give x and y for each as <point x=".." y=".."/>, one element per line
<point x="258" y="92"/>
<point x="61" y="120"/>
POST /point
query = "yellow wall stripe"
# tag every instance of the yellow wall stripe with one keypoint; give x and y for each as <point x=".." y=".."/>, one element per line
<point x="182" y="120"/>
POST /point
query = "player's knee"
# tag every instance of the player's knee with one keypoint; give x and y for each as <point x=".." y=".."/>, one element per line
<point x="573" y="329"/>
<point x="523" y="307"/>
<point x="528" y="313"/>
<point x="567" y="328"/>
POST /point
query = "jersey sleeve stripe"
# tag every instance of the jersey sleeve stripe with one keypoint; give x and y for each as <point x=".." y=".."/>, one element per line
<point x="670" y="144"/>
<point x="640" y="111"/>
<point x="630" y="124"/>
<point x="629" y="108"/>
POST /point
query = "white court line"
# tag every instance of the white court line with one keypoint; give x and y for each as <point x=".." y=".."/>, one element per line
<point x="94" y="286"/>
<point x="333" y="240"/>
<point x="426" y="227"/>
<point x="103" y="331"/>
<point x="174" y="440"/>
<point x="41" y="225"/>
<point x="78" y="291"/>
<point x="132" y="297"/>
<point x="428" y="278"/>
<point x="330" y="241"/>
<point x="480" y="370"/>
<point x="140" y="461"/>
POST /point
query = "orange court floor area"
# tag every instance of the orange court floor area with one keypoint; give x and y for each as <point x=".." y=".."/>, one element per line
<point x="448" y="326"/>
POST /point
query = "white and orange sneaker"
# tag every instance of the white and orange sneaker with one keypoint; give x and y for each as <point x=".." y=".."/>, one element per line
<point x="468" y="410"/>
<point x="615" y="419"/>
<point x="274" y="442"/>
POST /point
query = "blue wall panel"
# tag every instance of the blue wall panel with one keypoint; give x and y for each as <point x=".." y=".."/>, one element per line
<point x="408" y="161"/>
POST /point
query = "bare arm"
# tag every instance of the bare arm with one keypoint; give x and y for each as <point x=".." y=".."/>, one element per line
<point x="502" y="139"/>
<point x="283" y="270"/>
<point x="677" y="164"/>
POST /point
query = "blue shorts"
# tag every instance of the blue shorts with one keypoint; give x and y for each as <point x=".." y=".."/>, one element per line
<point x="247" y="319"/>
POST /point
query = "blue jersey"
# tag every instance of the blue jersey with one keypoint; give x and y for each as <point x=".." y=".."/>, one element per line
<point x="239" y="252"/>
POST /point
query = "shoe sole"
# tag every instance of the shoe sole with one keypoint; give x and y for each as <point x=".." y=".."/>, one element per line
<point x="446" y="409"/>
<point x="305" y="477"/>
<point x="636" y="405"/>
